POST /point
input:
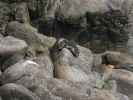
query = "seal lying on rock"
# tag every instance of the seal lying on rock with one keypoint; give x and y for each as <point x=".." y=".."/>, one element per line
<point x="70" y="45"/>
<point x="118" y="60"/>
<point x="68" y="63"/>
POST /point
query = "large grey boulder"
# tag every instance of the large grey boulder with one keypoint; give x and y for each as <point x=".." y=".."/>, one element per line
<point x="37" y="42"/>
<point x="16" y="92"/>
<point x="28" y="72"/>
<point x="10" y="45"/>
<point x="23" y="31"/>
<point x="29" y="34"/>
<point x="45" y="63"/>
<point x="11" y="60"/>
<point x="25" y="70"/>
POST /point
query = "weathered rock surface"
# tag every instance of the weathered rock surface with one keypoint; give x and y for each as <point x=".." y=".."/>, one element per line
<point x="16" y="92"/>
<point x="10" y="45"/>
<point x="68" y="90"/>
<point x="46" y="64"/>
<point x="23" y="69"/>
<point x="32" y="76"/>
<point x="11" y="60"/>
<point x="124" y="80"/>
<point x="29" y="34"/>
<point x="23" y="31"/>
<point x="56" y="89"/>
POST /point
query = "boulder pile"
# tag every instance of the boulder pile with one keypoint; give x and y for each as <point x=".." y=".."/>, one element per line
<point x="66" y="50"/>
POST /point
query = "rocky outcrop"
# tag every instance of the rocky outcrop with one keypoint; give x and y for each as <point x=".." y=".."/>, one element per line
<point x="34" y="66"/>
<point x="118" y="66"/>
<point x="13" y="91"/>
<point x="15" y="72"/>
<point x="10" y="45"/>
<point x="28" y="33"/>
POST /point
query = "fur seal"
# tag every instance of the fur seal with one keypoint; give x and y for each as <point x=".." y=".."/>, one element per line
<point x="70" y="45"/>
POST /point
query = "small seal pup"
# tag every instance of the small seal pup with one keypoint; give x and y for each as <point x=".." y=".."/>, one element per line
<point x="70" y="45"/>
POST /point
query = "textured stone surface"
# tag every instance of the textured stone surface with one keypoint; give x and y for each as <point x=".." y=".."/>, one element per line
<point x="10" y="45"/>
<point x="16" y="92"/>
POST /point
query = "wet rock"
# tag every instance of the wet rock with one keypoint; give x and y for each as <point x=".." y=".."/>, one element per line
<point x="72" y="68"/>
<point x="10" y="45"/>
<point x="16" y="92"/>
